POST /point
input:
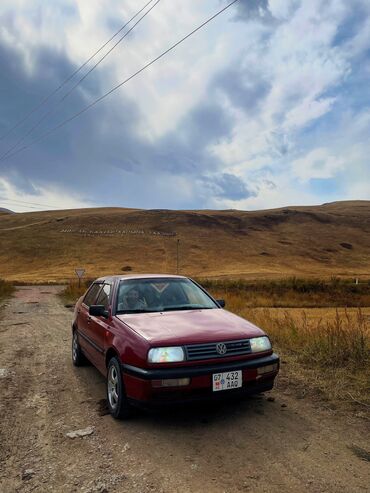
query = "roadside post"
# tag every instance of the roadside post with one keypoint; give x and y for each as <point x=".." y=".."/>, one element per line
<point x="177" y="255"/>
<point x="79" y="274"/>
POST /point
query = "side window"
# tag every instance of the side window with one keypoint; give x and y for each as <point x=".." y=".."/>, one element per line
<point x="92" y="294"/>
<point x="104" y="296"/>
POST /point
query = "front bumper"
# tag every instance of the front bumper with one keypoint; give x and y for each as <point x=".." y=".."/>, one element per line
<point x="139" y="388"/>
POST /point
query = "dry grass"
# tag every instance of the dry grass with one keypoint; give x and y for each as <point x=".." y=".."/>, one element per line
<point x="342" y="342"/>
<point x="291" y="292"/>
<point x="255" y="245"/>
<point x="6" y="289"/>
<point x="74" y="290"/>
<point x="326" y="351"/>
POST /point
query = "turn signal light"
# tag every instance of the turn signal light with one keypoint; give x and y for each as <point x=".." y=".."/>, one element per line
<point x="267" y="369"/>
<point x="171" y="382"/>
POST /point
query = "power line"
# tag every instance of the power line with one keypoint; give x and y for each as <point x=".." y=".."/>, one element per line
<point x="86" y="108"/>
<point x="30" y="203"/>
<point x="22" y="120"/>
<point x="52" y="110"/>
<point x="23" y="206"/>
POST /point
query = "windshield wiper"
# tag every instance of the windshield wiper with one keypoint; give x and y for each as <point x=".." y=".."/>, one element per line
<point x="185" y="307"/>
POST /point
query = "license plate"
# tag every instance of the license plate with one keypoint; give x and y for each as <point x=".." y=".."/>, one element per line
<point x="227" y="380"/>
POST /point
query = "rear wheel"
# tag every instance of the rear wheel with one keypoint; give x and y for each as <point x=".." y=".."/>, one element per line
<point x="118" y="404"/>
<point x="78" y="358"/>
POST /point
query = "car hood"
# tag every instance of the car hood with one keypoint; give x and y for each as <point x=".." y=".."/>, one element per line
<point x="190" y="327"/>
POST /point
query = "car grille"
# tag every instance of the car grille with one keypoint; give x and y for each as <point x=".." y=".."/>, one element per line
<point x="209" y="351"/>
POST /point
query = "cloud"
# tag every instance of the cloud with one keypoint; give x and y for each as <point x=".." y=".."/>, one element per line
<point x="39" y="198"/>
<point x="318" y="163"/>
<point x="244" y="87"/>
<point x="254" y="9"/>
<point x="245" y="114"/>
<point x="227" y="186"/>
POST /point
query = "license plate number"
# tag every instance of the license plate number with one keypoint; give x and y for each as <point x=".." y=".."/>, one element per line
<point x="227" y="380"/>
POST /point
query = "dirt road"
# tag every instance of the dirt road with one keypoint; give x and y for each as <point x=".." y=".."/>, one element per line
<point x="256" y="445"/>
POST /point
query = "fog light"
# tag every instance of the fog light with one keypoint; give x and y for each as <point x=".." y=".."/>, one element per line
<point x="171" y="382"/>
<point x="267" y="369"/>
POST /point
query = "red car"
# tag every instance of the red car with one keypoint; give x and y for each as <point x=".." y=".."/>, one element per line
<point x="161" y="339"/>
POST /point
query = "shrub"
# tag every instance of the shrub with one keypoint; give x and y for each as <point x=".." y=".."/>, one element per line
<point x="6" y="288"/>
<point x="74" y="290"/>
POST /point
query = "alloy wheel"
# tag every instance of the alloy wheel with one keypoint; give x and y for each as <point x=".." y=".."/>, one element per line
<point x="113" y="387"/>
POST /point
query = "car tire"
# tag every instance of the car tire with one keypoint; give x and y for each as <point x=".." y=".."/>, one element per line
<point x="118" y="404"/>
<point x="78" y="358"/>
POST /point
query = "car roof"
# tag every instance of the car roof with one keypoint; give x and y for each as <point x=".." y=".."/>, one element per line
<point x="139" y="276"/>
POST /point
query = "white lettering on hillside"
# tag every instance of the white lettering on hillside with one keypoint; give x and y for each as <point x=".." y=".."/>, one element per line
<point x="115" y="232"/>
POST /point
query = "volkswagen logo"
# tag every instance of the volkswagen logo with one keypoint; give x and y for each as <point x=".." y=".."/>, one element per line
<point x="221" y="348"/>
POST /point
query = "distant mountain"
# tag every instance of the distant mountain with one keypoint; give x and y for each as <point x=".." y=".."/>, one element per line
<point x="320" y="241"/>
<point x="6" y="211"/>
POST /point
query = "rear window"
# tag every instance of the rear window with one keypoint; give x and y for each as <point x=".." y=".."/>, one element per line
<point x="92" y="294"/>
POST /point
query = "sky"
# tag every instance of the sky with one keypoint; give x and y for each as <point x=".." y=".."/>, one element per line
<point x="267" y="106"/>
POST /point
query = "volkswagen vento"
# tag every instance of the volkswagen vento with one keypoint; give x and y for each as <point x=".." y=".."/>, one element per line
<point x="162" y="339"/>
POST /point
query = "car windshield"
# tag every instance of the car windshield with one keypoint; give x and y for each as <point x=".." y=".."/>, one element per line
<point x="159" y="295"/>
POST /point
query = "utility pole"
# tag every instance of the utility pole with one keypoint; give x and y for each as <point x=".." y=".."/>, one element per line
<point x="177" y="263"/>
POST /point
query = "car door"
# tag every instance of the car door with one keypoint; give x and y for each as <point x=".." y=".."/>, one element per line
<point x="84" y="319"/>
<point x="98" y="326"/>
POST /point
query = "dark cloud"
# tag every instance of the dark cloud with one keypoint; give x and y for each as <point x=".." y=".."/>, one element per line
<point x="227" y="186"/>
<point x="245" y="88"/>
<point x="253" y="9"/>
<point x="103" y="147"/>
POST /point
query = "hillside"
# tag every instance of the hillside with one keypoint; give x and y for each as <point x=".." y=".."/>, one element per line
<point x="328" y="240"/>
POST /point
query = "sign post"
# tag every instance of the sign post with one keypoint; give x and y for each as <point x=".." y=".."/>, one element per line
<point x="178" y="257"/>
<point x="79" y="273"/>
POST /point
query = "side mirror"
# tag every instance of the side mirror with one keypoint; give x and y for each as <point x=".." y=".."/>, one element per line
<point x="221" y="303"/>
<point x="98" y="311"/>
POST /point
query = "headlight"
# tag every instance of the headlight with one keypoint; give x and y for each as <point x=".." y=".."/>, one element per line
<point x="166" y="355"/>
<point x="260" y="344"/>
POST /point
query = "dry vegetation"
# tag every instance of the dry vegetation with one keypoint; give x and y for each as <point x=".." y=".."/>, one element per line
<point x="6" y="289"/>
<point x="328" y="357"/>
<point x="320" y="241"/>
<point x="74" y="290"/>
<point x="292" y="292"/>
<point x="325" y="351"/>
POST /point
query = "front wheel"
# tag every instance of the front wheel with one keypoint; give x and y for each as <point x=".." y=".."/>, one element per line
<point x="118" y="405"/>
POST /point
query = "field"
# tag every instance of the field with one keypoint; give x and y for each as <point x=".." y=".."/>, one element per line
<point x="318" y="241"/>
<point x="325" y="351"/>
<point x="322" y="329"/>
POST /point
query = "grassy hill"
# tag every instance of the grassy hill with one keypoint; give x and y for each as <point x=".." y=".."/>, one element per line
<point x="320" y="241"/>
